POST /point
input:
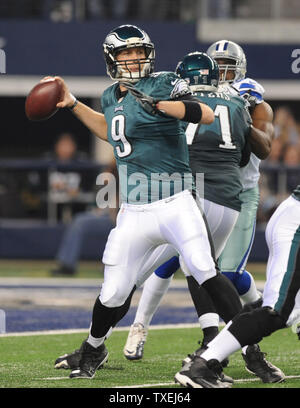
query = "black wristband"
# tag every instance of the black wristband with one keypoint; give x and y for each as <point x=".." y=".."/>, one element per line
<point x="193" y="112"/>
<point x="74" y="104"/>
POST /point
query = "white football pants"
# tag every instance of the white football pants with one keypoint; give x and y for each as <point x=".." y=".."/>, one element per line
<point x="221" y="221"/>
<point x="132" y="250"/>
<point x="282" y="287"/>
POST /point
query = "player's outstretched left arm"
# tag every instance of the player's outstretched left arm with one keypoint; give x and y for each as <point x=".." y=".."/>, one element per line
<point x="262" y="131"/>
<point x="188" y="111"/>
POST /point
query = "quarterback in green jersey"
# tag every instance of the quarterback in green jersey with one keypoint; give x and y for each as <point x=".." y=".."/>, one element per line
<point x="148" y="140"/>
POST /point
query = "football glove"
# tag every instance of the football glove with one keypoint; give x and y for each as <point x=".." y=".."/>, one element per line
<point x="251" y="100"/>
<point x="147" y="102"/>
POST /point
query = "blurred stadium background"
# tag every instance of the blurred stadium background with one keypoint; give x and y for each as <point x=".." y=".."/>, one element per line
<point x="51" y="37"/>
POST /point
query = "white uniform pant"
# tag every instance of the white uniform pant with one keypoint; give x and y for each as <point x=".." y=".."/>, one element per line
<point x="282" y="288"/>
<point x="221" y="221"/>
<point x="132" y="251"/>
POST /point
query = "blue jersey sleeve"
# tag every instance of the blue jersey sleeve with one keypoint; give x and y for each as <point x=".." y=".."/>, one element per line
<point x="248" y="85"/>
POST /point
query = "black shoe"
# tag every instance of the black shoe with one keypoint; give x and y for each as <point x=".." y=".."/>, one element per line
<point x="257" y="364"/>
<point x="91" y="359"/>
<point x="68" y="361"/>
<point x="198" y="352"/>
<point x="200" y="373"/>
<point x="63" y="270"/>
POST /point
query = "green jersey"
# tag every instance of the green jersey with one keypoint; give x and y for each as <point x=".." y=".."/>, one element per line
<point x="150" y="151"/>
<point x="216" y="149"/>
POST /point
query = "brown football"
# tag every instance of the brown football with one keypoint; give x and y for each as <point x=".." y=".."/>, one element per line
<point x="41" y="102"/>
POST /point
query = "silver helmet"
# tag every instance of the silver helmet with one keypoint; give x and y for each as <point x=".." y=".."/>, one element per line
<point x="225" y="49"/>
<point x="124" y="37"/>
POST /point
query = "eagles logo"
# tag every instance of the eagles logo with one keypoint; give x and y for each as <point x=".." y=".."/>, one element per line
<point x="180" y="88"/>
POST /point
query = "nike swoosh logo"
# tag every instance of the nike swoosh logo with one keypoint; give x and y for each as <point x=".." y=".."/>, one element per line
<point x="174" y="82"/>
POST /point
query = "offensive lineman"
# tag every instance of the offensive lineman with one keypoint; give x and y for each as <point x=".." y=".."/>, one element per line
<point x="146" y="142"/>
<point x="233" y="65"/>
<point x="214" y="150"/>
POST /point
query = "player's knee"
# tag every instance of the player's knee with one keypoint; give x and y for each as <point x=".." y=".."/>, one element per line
<point x="251" y="328"/>
<point x="168" y="268"/>
<point x="184" y="268"/>
<point x="200" y="265"/>
<point x="242" y="281"/>
<point x="115" y="296"/>
<point x="114" y="290"/>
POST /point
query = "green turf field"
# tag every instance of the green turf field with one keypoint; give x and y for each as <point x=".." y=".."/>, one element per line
<point x="28" y="361"/>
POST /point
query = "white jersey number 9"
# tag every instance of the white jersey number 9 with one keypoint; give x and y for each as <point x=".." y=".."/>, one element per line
<point x="118" y="135"/>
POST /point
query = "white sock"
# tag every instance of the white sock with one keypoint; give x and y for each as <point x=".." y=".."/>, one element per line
<point x="244" y="349"/>
<point x="97" y="341"/>
<point x="253" y="294"/>
<point x="221" y="346"/>
<point x="209" y="320"/>
<point x="153" y="291"/>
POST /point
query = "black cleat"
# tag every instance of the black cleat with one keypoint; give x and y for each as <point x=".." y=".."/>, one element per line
<point x="91" y="359"/>
<point x="198" y="352"/>
<point x="199" y="373"/>
<point x="257" y="364"/>
<point x="68" y="361"/>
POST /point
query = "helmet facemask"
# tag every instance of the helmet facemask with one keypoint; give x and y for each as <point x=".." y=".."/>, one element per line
<point x="123" y="67"/>
<point x="224" y="68"/>
<point x="234" y="54"/>
<point x="114" y="44"/>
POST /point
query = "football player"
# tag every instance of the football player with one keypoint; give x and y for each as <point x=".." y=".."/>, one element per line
<point x="281" y="300"/>
<point x="149" y="147"/>
<point x="214" y="149"/>
<point x="233" y="65"/>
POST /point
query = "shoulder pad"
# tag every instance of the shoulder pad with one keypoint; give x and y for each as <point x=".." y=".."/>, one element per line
<point x="228" y="89"/>
<point x="171" y="83"/>
<point x="250" y="86"/>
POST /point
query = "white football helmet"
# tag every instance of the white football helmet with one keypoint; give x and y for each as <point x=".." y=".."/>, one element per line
<point x="225" y="49"/>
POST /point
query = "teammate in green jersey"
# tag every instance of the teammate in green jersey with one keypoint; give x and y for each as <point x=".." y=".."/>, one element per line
<point x="216" y="150"/>
<point x="148" y="141"/>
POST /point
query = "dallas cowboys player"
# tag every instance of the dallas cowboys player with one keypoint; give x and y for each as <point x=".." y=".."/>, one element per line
<point x="233" y="65"/>
<point x="148" y="142"/>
